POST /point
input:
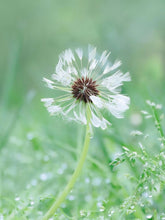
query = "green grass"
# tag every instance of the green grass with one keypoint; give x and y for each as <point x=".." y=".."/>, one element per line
<point x="123" y="176"/>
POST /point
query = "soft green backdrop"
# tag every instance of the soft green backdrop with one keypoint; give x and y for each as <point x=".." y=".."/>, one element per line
<point x="32" y="143"/>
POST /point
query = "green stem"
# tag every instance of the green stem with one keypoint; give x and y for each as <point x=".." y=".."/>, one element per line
<point x="158" y="125"/>
<point x="76" y="173"/>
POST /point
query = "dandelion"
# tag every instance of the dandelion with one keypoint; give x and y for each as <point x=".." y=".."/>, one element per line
<point x="86" y="84"/>
<point x="87" y="79"/>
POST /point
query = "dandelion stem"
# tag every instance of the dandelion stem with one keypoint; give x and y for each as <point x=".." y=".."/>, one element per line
<point x="76" y="173"/>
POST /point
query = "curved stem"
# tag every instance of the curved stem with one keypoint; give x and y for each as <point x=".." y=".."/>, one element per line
<point x="76" y="173"/>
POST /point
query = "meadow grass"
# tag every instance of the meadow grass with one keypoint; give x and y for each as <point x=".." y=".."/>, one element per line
<point x="124" y="174"/>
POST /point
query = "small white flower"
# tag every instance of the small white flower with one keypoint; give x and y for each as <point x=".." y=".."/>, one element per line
<point x="88" y="79"/>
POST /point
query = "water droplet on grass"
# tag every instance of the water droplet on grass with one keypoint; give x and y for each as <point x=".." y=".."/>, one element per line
<point x="99" y="204"/>
<point x="63" y="205"/>
<point x="1" y="217"/>
<point x="60" y="171"/>
<point x="149" y="216"/>
<point x="88" y="198"/>
<point x="96" y="181"/>
<point x="111" y="213"/>
<point x="44" y="176"/>
<point x="46" y="158"/>
<point x="87" y="180"/>
<point x="32" y="203"/>
<point x="71" y="197"/>
<point x="82" y="213"/>
<point x="34" y="182"/>
<point x="102" y="208"/>
<point x="28" y="186"/>
<point x="30" y="136"/>
<point x="64" y="166"/>
<point x="107" y="181"/>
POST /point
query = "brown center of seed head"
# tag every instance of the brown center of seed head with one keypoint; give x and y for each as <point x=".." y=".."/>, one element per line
<point x="83" y="88"/>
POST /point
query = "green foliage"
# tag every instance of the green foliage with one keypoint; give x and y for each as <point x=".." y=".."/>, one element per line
<point x="124" y="174"/>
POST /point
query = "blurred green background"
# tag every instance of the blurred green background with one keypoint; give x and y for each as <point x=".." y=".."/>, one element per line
<point x="33" y="33"/>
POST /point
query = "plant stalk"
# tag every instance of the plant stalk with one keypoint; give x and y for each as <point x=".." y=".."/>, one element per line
<point x="76" y="173"/>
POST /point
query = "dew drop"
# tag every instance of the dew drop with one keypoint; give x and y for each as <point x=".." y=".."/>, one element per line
<point x="82" y="213"/>
<point x="46" y="158"/>
<point x="34" y="182"/>
<point x="130" y="211"/>
<point x="40" y="213"/>
<point x="17" y="199"/>
<point x="44" y="176"/>
<point x="96" y="181"/>
<point x="107" y="181"/>
<point x="63" y="205"/>
<point x="149" y="216"/>
<point x="141" y="204"/>
<point x="102" y="208"/>
<point x="60" y="171"/>
<point x="30" y="136"/>
<point x="32" y="203"/>
<point x="64" y="166"/>
<point x="162" y="145"/>
<point x="87" y="180"/>
<point x="111" y="213"/>
<point x="20" y="207"/>
<point x="99" y="204"/>
<point x="71" y="197"/>
<point x="88" y="198"/>
<point x="1" y="217"/>
<point x="28" y="186"/>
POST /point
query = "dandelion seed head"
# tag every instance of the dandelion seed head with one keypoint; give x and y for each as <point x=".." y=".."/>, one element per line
<point x="83" y="88"/>
<point x="87" y="79"/>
